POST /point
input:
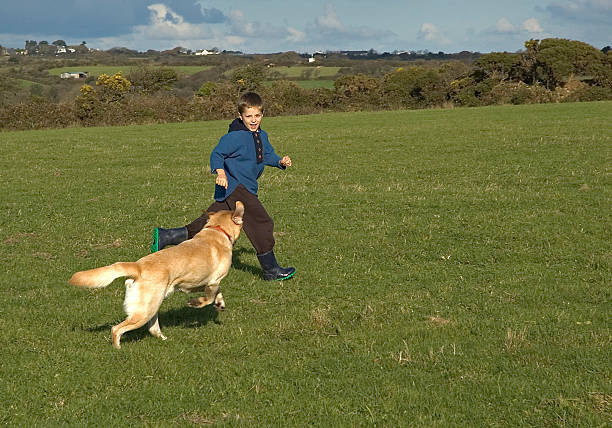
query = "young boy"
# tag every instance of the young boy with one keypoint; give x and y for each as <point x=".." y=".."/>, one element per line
<point x="238" y="160"/>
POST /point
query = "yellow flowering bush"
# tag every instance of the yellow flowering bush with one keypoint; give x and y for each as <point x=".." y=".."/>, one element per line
<point x="112" y="88"/>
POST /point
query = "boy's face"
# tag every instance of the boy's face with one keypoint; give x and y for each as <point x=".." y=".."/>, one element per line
<point x="251" y="118"/>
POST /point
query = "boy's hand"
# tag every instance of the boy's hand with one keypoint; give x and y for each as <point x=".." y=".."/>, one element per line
<point x="221" y="179"/>
<point x="285" y="161"/>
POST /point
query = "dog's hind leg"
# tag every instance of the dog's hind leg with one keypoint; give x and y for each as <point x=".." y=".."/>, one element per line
<point x="153" y="326"/>
<point x="210" y="293"/>
<point x="139" y="306"/>
<point x="130" y="323"/>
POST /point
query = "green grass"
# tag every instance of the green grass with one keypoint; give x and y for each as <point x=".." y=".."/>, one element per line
<point x="309" y="84"/>
<point x="311" y="72"/>
<point x="312" y="84"/>
<point x="22" y="83"/>
<point x="454" y="269"/>
<point x="97" y="70"/>
<point x="26" y="83"/>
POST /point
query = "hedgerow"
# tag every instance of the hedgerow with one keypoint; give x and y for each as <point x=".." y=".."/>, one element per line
<point x="543" y="73"/>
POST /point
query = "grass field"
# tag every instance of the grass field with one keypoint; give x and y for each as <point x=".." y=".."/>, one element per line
<point x="312" y="84"/>
<point x="97" y="70"/>
<point x="317" y="72"/>
<point x="454" y="268"/>
<point x="313" y="77"/>
<point x="309" y="84"/>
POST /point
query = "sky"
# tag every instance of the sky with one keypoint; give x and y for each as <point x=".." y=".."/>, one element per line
<point x="306" y="26"/>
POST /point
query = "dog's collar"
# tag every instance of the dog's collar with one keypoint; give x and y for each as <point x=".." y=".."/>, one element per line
<point x="224" y="232"/>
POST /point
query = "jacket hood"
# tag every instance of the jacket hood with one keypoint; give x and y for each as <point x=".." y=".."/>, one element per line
<point x="238" y="125"/>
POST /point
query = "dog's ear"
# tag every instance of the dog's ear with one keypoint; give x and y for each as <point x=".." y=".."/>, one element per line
<point x="238" y="213"/>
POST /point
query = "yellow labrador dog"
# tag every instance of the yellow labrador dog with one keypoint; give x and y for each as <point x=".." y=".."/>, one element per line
<point x="198" y="264"/>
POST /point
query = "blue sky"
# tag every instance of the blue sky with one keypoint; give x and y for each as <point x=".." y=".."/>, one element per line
<point x="265" y="26"/>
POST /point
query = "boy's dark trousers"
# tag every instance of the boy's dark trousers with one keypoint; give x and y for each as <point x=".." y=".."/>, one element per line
<point x="257" y="224"/>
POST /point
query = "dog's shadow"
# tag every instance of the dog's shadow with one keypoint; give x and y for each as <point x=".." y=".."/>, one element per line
<point x="185" y="316"/>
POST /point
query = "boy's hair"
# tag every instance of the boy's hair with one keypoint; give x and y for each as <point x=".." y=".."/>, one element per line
<point x="249" y="99"/>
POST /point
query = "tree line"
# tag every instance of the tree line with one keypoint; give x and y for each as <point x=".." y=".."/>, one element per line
<point x="548" y="70"/>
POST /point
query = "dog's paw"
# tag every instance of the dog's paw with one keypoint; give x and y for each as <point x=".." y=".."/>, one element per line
<point x="219" y="302"/>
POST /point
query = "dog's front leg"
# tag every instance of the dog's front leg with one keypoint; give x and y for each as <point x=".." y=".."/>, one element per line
<point x="210" y="294"/>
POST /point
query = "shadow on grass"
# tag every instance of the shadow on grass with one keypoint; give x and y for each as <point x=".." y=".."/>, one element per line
<point x="186" y="317"/>
<point x="238" y="264"/>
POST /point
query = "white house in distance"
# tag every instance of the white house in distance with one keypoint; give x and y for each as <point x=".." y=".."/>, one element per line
<point x="74" y="75"/>
<point x="206" y="52"/>
<point x="64" y="49"/>
<point x="314" y="56"/>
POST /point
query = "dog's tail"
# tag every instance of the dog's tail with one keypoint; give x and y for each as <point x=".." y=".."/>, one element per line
<point x="102" y="276"/>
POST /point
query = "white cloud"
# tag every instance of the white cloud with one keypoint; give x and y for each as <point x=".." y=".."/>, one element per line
<point x="295" y="35"/>
<point x="429" y="32"/>
<point x="161" y="14"/>
<point x="328" y="30"/>
<point x="594" y="4"/>
<point x="166" y="24"/>
<point x="594" y="11"/>
<point x="239" y="25"/>
<point x="532" y="25"/>
<point x="330" y="20"/>
<point x="233" y="41"/>
<point x="237" y="33"/>
<point x="603" y="4"/>
<point x="505" y="26"/>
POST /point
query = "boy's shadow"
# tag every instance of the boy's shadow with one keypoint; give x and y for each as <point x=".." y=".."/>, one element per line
<point x="238" y="264"/>
<point x="185" y="316"/>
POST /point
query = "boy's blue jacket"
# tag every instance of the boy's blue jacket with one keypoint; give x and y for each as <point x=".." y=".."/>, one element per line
<point x="235" y="154"/>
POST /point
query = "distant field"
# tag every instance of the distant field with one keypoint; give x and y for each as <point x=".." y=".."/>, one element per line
<point x="26" y="83"/>
<point x="302" y="73"/>
<point x="306" y="77"/>
<point x="454" y="269"/>
<point x="311" y="84"/>
<point x="98" y="70"/>
<point x="306" y="72"/>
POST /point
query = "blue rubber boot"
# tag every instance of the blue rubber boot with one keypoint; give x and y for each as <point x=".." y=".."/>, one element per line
<point x="271" y="270"/>
<point x="163" y="237"/>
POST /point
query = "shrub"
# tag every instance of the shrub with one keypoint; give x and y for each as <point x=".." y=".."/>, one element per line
<point x="88" y="107"/>
<point x="285" y="97"/>
<point x="518" y="93"/>
<point x="249" y="78"/>
<point x="99" y="106"/>
<point x="355" y="92"/>
<point x="321" y="99"/>
<point x="588" y="93"/>
<point x="415" y="87"/>
<point x="206" y="89"/>
<point x="164" y="108"/>
<point x="464" y="92"/>
<point x="37" y="113"/>
<point x="112" y="88"/>
<point x="149" y="80"/>
<point x="219" y="103"/>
